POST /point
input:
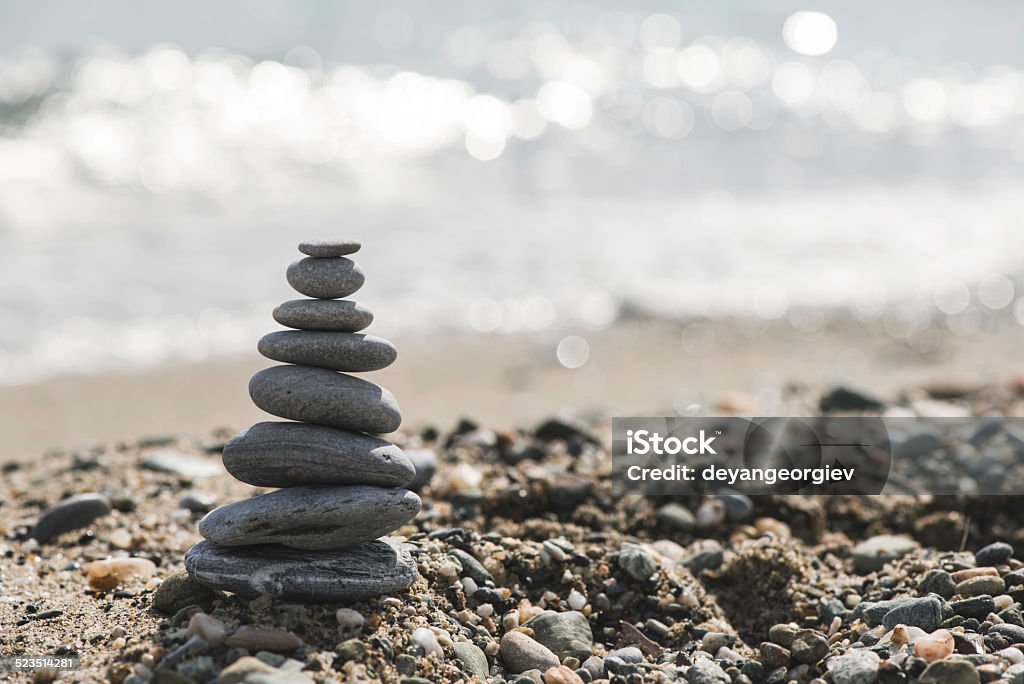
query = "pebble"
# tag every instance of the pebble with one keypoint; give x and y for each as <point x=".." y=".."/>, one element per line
<point x="349" y="352"/>
<point x="977" y="586"/>
<point x="628" y="654"/>
<point x="676" y="517"/>
<point x="180" y="590"/>
<point x="934" y="646"/>
<point x="198" y="502"/>
<point x="809" y="646"/>
<point x="324" y="397"/>
<point x="350" y="649"/>
<point x="186" y="465"/>
<point x="567" y="634"/>
<point x="426" y="640"/>
<point x="328" y="315"/>
<point x="994" y="554"/>
<point x="280" y="454"/>
<point x="264" y="639"/>
<point x="424" y="462"/>
<point x="925" y="612"/>
<point x="1014" y="633"/>
<point x="737" y="506"/>
<point x="311" y="518"/>
<point x="236" y="672"/>
<point x="856" y="667"/>
<point x="706" y="671"/>
<point x="576" y="600"/>
<point x="332" y="278"/>
<point x="637" y="563"/>
<point x="595" y="666"/>
<point x="977" y="607"/>
<point x="521" y="653"/>
<point x="872" y="554"/>
<point x="773" y="655"/>
<point x="561" y="675"/>
<point x="938" y="582"/>
<point x="848" y="399"/>
<point x="471" y="566"/>
<point x="107" y="574"/>
<point x="472" y="658"/>
<point x="70" y="514"/>
<point x="349" y="619"/>
<point x="382" y="566"/>
<point x="209" y="628"/>
<point x="329" y="248"/>
<point x="950" y="671"/>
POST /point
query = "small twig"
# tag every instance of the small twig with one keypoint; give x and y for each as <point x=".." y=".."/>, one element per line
<point x="967" y="531"/>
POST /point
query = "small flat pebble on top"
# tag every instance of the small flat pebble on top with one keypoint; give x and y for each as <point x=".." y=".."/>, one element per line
<point x="329" y="248"/>
<point x="70" y="514"/>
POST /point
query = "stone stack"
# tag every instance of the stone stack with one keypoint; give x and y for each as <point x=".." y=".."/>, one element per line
<point x="319" y="537"/>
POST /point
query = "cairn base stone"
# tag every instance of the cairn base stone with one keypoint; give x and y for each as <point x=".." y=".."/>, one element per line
<point x="382" y="566"/>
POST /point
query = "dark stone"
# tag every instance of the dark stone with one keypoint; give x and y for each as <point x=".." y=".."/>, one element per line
<point x="846" y="399"/>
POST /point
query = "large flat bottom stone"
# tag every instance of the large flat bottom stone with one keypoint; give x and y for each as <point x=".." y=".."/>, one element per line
<point x="382" y="566"/>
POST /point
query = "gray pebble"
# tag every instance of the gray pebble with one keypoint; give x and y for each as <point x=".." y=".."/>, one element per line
<point x="595" y="666"/>
<point x="329" y="248"/>
<point x="628" y="654"/>
<point x="637" y="563"/>
<point x="198" y="502"/>
<point x="424" y="461"/>
<point x="325" y="278"/>
<point x="872" y="554"/>
<point x="856" y="667"/>
<point x="382" y="566"/>
<point x="1014" y="633"/>
<point x="809" y="646"/>
<point x="324" y="397"/>
<point x="676" y="517"/>
<point x="706" y="671"/>
<point x="977" y="607"/>
<point x="471" y="567"/>
<point x="566" y="634"/>
<point x="1015" y="578"/>
<point x="473" y="660"/>
<point x="352" y="352"/>
<point x="938" y="582"/>
<point x="950" y="671"/>
<point x="73" y="513"/>
<point x="925" y="613"/>
<point x="737" y="506"/>
<point x="994" y="554"/>
<point x="279" y="454"/>
<point x="337" y="315"/>
<point x="311" y="518"/>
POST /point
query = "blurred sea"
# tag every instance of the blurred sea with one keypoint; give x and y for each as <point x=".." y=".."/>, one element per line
<point x="508" y="166"/>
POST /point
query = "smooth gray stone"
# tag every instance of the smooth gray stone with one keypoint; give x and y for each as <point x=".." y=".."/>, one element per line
<point x="273" y="454"/>
<point x="72" y="513"/>
<point x="311" y="518"/>
<point x="382" y="566"/>
<point x="324" y="397"/>
<point x="331" y="278"/>
<point x="351" y="352"/>
<point x="424" y="461"/>
<point x="329" y="248"/>
<point x="336" y="315"/>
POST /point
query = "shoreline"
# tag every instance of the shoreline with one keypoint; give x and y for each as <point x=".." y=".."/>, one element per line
<point x="637" y="366"/>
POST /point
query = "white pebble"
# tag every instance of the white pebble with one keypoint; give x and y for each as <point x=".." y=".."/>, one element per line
<point x="469" y="586"/>
<point x="117" y="632"/>
<point x="209" y="628"/>
<point x="1014" y="655"/>
<point x="710" y="513"/>
<point x="510" y="620"/>
<point x="448" y="569"/>
<point x="427" y="641"/>
<point x="577" y="600"/>
<point x="485" y="610"/>
<point x="444" y="637"/>
<point x="1003" y="601"/>
<point x="350" y="619"/>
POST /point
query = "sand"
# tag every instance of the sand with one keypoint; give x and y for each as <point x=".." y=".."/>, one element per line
<point x="640" y="366"/>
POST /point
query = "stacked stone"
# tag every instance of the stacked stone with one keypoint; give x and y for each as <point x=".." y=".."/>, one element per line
<point x="320" y="537"/>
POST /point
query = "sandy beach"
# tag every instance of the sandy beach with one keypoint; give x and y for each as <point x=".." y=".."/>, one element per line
<point x="642" y="366"/>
